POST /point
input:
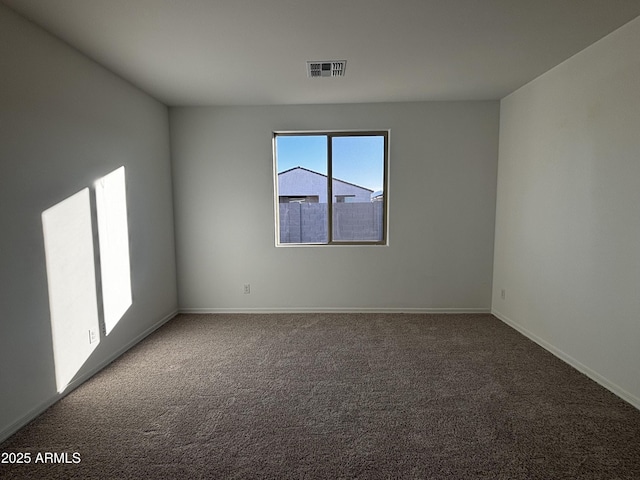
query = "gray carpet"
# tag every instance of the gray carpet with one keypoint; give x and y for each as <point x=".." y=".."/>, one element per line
<point x="336" y="396"/>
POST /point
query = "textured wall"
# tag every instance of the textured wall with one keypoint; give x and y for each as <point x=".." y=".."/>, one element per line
<point x="64" y="123"/>
<point x="567" y="250"/>
<point x="442" y="175"/>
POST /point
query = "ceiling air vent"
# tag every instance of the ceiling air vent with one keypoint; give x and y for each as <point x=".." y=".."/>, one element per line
<point x="330" y="68"/>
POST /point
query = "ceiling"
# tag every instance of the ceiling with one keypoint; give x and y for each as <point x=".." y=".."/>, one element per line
<point x="254" y="52"/>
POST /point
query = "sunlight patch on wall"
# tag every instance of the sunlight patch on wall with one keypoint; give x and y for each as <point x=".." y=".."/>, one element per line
<point x="68" y="242"/>
<point x="113" y="236"/>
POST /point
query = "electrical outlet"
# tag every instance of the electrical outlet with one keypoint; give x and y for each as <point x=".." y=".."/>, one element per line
<point x="502" y="294"/>
<point x="93" y="337"/>
<point x="247" y="288"/>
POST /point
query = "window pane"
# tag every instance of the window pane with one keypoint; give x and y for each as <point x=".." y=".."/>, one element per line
<point x="357" y="188"/>
<point x="301" y="163"/>
<point x="331" y="192"/>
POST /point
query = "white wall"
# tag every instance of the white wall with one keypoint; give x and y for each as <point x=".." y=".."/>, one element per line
<point x="442" y="207"/>
<point x="567" y="250"/>
<point x="64" y="123"/>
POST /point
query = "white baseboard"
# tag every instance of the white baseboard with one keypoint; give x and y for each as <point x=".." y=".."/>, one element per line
<point x="334" y="310"/>
<point x="593" y="375"/>
<point x="35" y="412"/>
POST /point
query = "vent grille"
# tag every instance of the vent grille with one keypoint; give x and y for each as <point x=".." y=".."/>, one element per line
<point x="329" y="68"/>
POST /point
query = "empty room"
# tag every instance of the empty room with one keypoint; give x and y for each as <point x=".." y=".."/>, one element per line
<point x="333" y="239"/>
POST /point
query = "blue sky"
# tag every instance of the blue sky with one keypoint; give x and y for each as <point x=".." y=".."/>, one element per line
<point x="357" y="159"/>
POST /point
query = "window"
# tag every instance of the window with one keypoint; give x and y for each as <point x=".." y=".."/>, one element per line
<point x="331" y="187"/>
<point x="345" y="198"/>
<point x="289" y="199"/>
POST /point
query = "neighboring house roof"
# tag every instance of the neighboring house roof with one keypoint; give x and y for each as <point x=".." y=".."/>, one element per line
<point x="323" y="175"/>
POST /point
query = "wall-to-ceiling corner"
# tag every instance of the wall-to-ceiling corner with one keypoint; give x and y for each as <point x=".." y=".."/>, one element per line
<point x="66" y="122"/>
<point x="567" y="244"/>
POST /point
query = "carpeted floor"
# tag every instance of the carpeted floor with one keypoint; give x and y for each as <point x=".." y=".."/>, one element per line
<point x="335" y="396"/>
